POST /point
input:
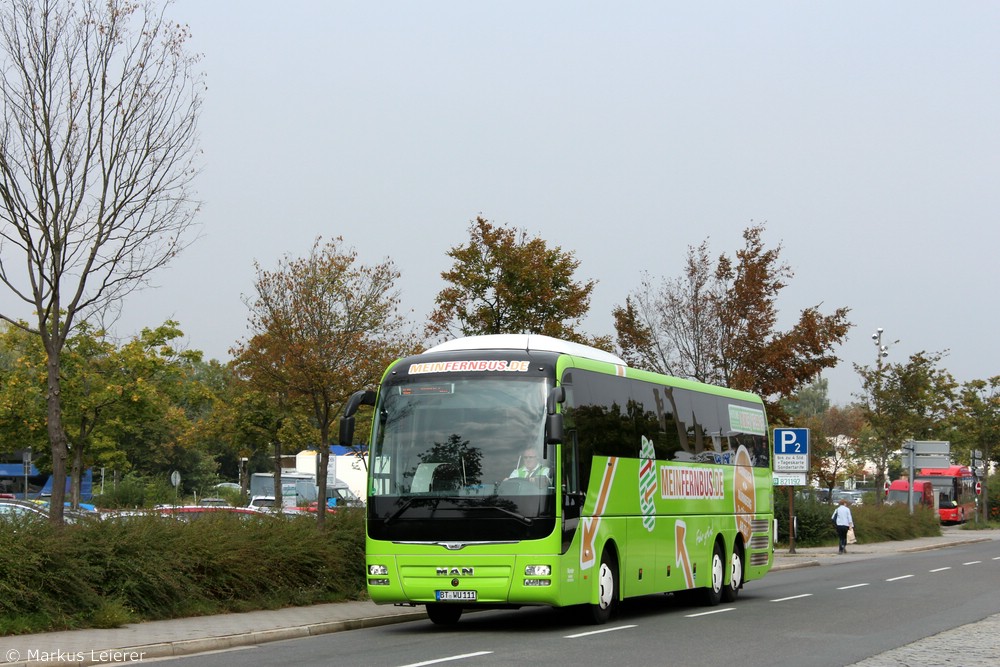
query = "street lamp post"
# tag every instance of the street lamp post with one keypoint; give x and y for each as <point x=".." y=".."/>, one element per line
<point x="882" y="351"/>
<point x="26" y="456"/>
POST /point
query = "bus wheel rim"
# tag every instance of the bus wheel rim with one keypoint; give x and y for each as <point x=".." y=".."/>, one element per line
<point x="607" y="584"/>
<point x="717" y="576"/>
<point x="736" y="575"/>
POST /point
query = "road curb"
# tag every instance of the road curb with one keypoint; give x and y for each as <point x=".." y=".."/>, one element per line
<point x="945" y="545"/>
<point x="795" y="566"/>
<point x="184" y="647"/>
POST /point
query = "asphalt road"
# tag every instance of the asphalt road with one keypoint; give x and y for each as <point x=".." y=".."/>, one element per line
<point x="809" y="617"/>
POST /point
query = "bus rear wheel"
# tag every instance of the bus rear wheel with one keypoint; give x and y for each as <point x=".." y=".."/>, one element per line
<point x="607" y="582"/>
<point x="712" y="594"/>
<point x="443" y="614"/>
<point x="732" y="590"/>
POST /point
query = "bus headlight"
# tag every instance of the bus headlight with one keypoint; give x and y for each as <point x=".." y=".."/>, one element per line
<point x="378" y="570"/>
<point x="537" y="570"/>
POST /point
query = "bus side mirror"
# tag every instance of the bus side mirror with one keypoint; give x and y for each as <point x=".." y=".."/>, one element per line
<point x="553" y="419"/>
<point x="357" y="399"/>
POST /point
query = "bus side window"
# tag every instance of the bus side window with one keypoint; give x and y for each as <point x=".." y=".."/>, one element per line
<point x="656" y="420"/>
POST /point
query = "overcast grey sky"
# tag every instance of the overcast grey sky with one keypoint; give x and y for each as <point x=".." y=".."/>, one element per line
<point x="863" y="134"/>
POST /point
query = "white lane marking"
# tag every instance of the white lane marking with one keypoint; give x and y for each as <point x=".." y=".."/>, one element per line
<point x="844" y="588"/>
<point x="793" y="597"/>
<point x="905" y="576"/>
<point x="448" y="659"/>
<point x="973" y="562"/>
<point x="597" y="632"/>
<point x="940" y="569"/>
<point x="997" y="558"/>
<point x="709" y="613"/>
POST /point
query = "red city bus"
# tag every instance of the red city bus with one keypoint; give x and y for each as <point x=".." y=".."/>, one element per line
<point x="923" y="493"/>
<point x="956" y="490"/>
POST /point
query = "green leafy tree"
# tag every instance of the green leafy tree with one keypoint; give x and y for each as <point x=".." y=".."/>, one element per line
<point x="809" y="401"/>
<point x="718" y="324"/>
<point x="246" y="430"/>
<point x="503" y="281"/>
<point x="124" y="406"/>
<point x="164" y="398"/>
<point x="836" y="456"/>
<point x="903" y="402"/>
<point x="100" y="107"/>
<point x="22" y="391"/>
<point x="324" y="326"/>
<point x="976" y="425"/>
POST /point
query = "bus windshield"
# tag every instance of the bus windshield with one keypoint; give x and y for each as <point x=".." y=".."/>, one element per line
<point x="460" y="437"/>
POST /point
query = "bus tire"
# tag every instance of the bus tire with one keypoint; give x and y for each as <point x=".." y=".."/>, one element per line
<point x="731" y="590"/>
<point x="711" y="595"/>
<point x="607" y="585"/>
<point x="443" y="614"/>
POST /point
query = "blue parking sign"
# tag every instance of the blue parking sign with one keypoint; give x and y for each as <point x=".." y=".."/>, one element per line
<point x="791" y="441"/>
<point x="791" y="450"/>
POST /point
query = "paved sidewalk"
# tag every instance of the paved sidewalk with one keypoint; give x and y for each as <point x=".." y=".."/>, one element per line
<point x="139" y="642"/>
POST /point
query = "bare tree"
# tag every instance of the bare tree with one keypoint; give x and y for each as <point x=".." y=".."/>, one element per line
<point x="97" y="148"/>
<point x="718" y="324"/>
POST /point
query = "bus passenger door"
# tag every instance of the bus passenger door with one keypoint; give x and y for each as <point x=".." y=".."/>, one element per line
<point x="572" y="495"/>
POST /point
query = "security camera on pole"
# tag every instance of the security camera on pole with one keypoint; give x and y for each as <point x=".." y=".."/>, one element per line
<point x="882" y="351"/>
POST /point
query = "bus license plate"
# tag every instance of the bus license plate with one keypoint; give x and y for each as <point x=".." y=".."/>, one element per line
<point x="465" y="596"/>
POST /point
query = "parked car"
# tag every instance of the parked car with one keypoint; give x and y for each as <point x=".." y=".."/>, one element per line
<point x="262" y="502"/>
<point x="217" y="502"/>
<point x="852" y="497"/>
<point x="192" y="512"/>
<point x="10" y="507"/>
<point x="33" y="508"/>
<point x="227" y="486"/>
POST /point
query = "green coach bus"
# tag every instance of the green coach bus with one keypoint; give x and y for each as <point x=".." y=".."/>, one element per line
<point x="515" y="470"/>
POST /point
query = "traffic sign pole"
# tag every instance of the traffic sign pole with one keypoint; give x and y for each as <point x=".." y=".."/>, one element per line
<point x="789" y="465"/>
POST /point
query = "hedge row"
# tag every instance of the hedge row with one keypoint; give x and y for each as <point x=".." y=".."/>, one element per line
<point x="111" y="572"/>
<point x="872" y="523"/>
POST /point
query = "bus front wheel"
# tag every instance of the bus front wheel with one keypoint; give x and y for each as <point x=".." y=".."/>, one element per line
<point x="607" y="583"/>
<point x="444" y="614"/>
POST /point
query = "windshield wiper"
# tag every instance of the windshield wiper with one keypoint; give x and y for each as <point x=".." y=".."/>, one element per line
<point x="408" y="503"/>
<point x="520" y="517"/>
<point x="435" y="501"/>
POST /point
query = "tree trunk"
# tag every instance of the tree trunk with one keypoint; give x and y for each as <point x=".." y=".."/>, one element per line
<point x="321" y="471"/>
<point x="76" y="477"/>
<point x="278" y="502"/>
<point x="57" y="439"/>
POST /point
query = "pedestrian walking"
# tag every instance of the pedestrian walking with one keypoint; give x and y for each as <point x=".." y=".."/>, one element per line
<point x="843" y="521"/>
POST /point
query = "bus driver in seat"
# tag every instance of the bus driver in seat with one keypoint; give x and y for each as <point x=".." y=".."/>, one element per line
<point x="529" y="467"/>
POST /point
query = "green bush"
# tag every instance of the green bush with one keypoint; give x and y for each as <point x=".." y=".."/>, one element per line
<point x="106" y="573"/>
<point x="882" y="523"/>
<point x="813" y="526"/>
<point x="872" y="523"/>
<point x="136" y="491"/>
<point x="993" y="497"/>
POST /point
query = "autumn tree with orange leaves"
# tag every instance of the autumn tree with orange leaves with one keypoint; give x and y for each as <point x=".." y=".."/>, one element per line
<point x="323" y="326"/>
<point x="503" y="281"/>
<point x="717" y="323"/>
